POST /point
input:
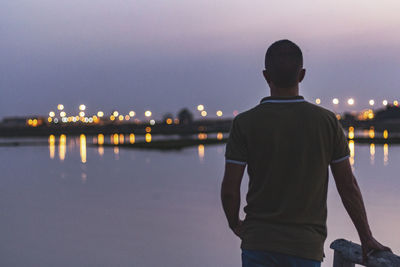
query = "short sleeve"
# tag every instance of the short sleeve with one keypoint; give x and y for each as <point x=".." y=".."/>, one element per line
<point x="340" y="146"/>
<point x="236" y="150"/>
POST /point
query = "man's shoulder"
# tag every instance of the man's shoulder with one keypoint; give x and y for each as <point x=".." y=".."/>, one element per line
<point x="246" y="115"/>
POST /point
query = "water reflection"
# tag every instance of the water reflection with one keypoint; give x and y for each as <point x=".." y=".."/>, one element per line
<point x="62" y="148"/>
<point x="385" y="154"/>
<point x="132" y="138"/>
<point x="82" y="147"/>
<point x="52" y="147"/>
<point x="371" y="133"/>
<point x="148" y="137"/>
<point x="202" y="136"/>
<point x="121" y="138"/>
<point x="351" y="147"/>
<point x="100" y="139"/>
<point x="372" y="153"/>
<point x="200" y="150"/>
<point x="115" y="139"/>
<point x="100" y="149"/>
<point x="385" y="134"/>
<point x="351" y="132"/>
<point x="220" y="136"/>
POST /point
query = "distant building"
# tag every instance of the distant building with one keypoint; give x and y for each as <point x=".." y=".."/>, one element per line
<point x="391" y="113"/>
<point x="14" y="121"/>
<point x="22" y="121"/>
<point x="185" y="116"/>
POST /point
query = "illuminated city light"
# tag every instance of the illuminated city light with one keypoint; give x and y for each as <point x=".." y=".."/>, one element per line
<point x="176" y="121"/>
<point x="132" y="138"/>
<point x="121" y="138"/>
<point x="219" y="113"/>
<point x="112" y="117"/>
<point x="371" y="102"/>
<point x="204" y="113"/>
<point x="60" y="106"/>
<point x="132" y="113"/>
<point x="115" y="113"/>
<point x="127" y="117"/>
<point x="100" y="114"/>
<point x="121" y="117"/>
<point x="63" y="114"/>
<point x="351" y="132"/>
<point x="202" y="136"/>
<point x="115" y="139"/>
<point x="396" y="103"/>
<point x="74" y="119"/>
<point x="350" y="101"/>
<point x="335" y="101"/>
<point x="82" y="114"/>
<point x="152" y="122"/>
<point x="33" y="122"/>
<point x="200" y="107"/>
<point x="90" y="120"/>
<point x="385" y="134"/>
<point x="148" y="129"/>
<point x="318" y="101"/>
<point x="220" y="136"/>
<point x="49" y="119"/>
<point x="52" y="114"/>
<point x="169" y="121"/>
<point x="64" y="119"/>
<point x="86" y="119"/>
<point x="385" y="102"/>
<point x="82" y="107"/>
<point x="148" y="138"/>
<point x="371" y="133"/>
<point x="147" y="113"/>
<point x="100" y="139"/>
<point x="55" y="120"/>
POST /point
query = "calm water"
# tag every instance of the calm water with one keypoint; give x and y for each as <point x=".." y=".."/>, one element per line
<point x="77" y="205"/>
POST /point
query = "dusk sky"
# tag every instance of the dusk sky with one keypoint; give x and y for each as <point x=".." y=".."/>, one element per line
<point x="164" y="55"/>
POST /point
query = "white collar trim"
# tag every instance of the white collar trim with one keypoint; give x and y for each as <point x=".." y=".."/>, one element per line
<point x="282" y="101"/>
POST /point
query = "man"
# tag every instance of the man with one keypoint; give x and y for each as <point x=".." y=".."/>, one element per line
<point x="287" y="144"/>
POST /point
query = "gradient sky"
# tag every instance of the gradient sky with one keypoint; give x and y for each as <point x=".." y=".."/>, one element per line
<point x="167" y="54"/>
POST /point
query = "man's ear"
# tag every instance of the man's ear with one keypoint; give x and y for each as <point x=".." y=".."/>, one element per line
<point x="302" y="73"/>
<point x="266" y="77"/>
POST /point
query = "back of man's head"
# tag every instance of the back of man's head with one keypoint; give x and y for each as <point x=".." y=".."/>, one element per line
<point x="283" y="62"/>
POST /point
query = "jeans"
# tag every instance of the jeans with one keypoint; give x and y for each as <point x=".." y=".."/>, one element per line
<point x="256" y="258"/>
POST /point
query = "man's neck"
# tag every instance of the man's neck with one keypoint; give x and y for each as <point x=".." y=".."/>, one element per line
<point x="285" y="92"/>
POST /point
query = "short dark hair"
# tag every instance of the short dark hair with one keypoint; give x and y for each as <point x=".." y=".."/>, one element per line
<point x="283" y="61"/>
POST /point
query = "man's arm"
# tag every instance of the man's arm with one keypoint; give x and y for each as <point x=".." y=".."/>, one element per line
<point x="230" y="194"/>
<point x="352" y="200"/>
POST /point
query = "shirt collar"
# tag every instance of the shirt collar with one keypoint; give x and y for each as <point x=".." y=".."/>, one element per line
<point x="282" y="99"/>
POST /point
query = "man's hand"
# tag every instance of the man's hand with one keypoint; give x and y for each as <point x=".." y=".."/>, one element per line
<point x="352" y="200"/>
<point x="238" y="228"/>
<point x="370" y="246"/>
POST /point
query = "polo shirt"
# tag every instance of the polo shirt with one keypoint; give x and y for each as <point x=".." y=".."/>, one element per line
<point x="287" y="144"/>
